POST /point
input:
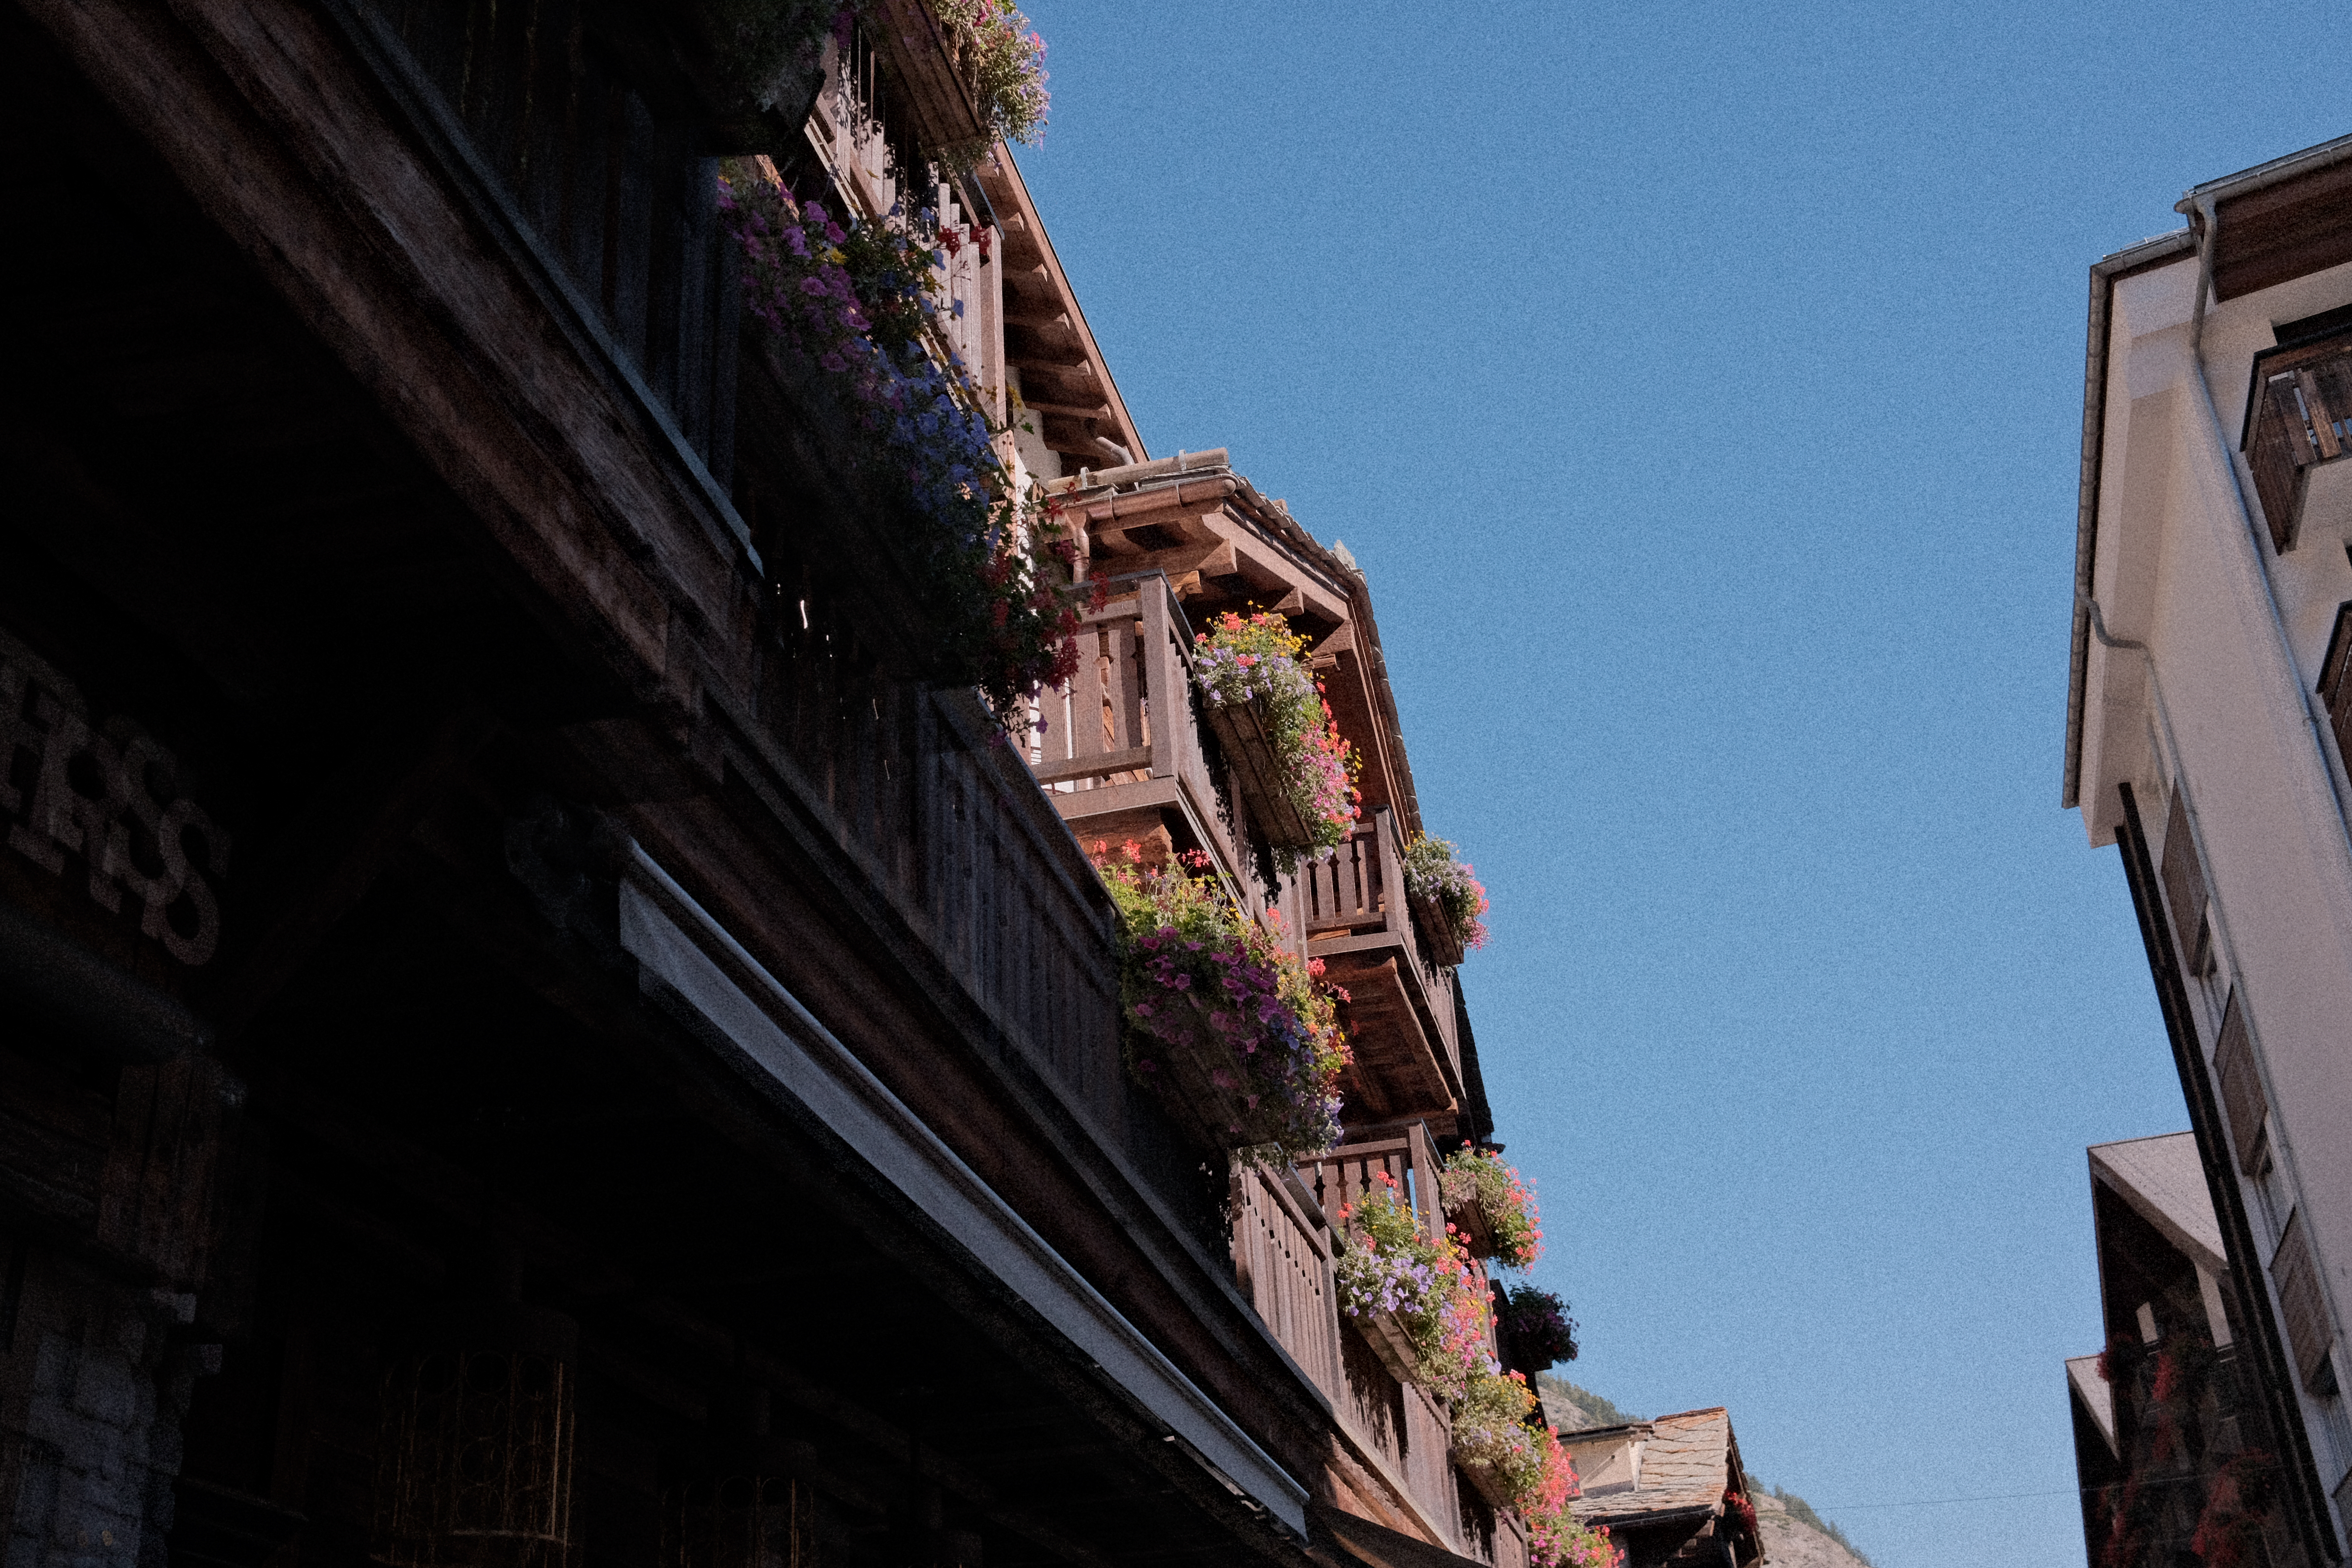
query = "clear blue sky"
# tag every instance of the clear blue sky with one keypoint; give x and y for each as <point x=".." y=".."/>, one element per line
<point x="1700" y="386"/>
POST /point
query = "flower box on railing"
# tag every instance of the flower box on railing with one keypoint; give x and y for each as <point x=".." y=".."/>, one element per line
<point x="1490" y="1207"/>
<point x="1467" y="1216"/>
<point x="1486" y="1479"/>
<point x="1293" y="768"/>
<point x="1191" y="1070"/>
<point x="1258" y="773"/>
<point x="1493" y="1443"/>
<point x="1389" y="1342"/>
<point x="1443" y="942"/>
<point x="1446" y="899"/>
<point x="1227" y="1027"/>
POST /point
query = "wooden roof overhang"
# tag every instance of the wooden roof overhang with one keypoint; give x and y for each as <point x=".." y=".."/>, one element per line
<point x="1398" y="1070"/>
<point x="2277" y="221"/>
<point x="334" y="499"/>
<point x="1063" y="381"/>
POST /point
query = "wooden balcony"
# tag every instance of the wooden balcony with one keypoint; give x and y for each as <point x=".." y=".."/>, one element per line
<point x="1283" y="1245"/>
<point x="1283" y="1236"/>
<point x="1123" y="752"/>
<point x="1403" y="1017"/>
<point x="2298" y="422"/>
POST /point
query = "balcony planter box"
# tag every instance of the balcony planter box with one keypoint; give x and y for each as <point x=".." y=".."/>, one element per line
<point x="1443" y="942"/>
<point x="695" y="61"/>
<point x="1468" y="1218"/>
<point x="1387" y="1338"/>
<point x="1183" y="1078"/>
<point x="852" y="535"/>
<point x="1257" y="772"/>
<point x="1486" y="1479"/>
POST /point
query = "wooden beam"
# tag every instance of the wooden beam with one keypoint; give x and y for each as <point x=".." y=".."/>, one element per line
<point x="1073" y="410"/>
<point x="1052" y="770"/>
<point x="1214" y="559"/>
<point x="1059" y="380"/>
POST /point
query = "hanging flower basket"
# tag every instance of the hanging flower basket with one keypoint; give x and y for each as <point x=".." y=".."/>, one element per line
<point x="1533" y="1328"/>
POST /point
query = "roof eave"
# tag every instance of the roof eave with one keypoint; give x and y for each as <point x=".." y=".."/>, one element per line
<point x="2261" y="174"/>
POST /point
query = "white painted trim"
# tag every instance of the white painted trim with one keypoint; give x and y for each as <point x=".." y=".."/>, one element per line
<point x="677" y="942"/>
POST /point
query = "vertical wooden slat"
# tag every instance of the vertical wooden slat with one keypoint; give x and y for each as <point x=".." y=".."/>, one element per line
<point x="1082" y="735"/>
<point x="1424" y="1178"/>
<point x="1127" y="682"/>
<point x="2315" y="412"/>
<point x="1160" y="676"/>
<point x="629" y="223"/>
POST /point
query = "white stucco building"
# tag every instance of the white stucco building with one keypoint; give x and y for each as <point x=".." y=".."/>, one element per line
<point x="2214" y="591"/>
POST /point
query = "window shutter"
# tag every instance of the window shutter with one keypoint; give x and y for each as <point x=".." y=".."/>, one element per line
<point x="2335" y="690"/>
<point x="2184" y="885"/>
<point x="2306" y="1316"/>
<point x="2242" y="1102"/>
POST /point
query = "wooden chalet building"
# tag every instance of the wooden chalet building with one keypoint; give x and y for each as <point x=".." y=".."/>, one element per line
<point x="2176" y="1454"/>
<point x="1672" y="1493"/>
<point x="533" y="1034"/>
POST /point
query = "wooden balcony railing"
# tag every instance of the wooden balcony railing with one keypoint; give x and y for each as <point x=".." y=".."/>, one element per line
<point x="1126" y="735"/>
<point x="1125" y="743"/>
<point x="1282" y="1257"/>
<point x="1348" y="1172"/>
<point x="2298" y="417"/>
<point x="1355" y="902"/>
<point x="1286" y="1231"/>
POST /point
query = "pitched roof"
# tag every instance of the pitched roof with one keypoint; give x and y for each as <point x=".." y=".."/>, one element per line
<point x="1686" y="1464"/>
<point x="2164" y="1180"/>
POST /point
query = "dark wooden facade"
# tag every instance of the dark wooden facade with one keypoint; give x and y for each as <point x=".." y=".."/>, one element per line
<point x="2174" y="1454"/>
<point x="501" y="949"/>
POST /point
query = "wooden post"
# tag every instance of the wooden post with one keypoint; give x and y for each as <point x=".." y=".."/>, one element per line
<point x="1162" y="681"/>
